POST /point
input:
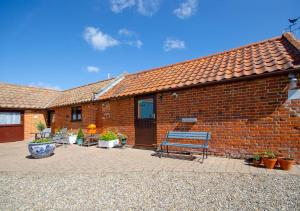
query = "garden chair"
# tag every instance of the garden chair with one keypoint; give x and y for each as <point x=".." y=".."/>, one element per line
<point x="61" y="137"/>
<point x="44" y="134"/>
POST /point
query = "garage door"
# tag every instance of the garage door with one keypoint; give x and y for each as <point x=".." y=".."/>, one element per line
<point x="11" y="126"/>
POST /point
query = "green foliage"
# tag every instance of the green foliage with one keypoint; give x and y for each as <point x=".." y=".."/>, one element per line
<point x="80" y="134"/>
<point x="269" y="154"/>
<point x="43" y="140"/>
<point x="289" y="157"/>
<point x="108" y="136"/>
<point x="40" y="126"/>
<point x="71" y="133"/>
<point x="256" y="156"/>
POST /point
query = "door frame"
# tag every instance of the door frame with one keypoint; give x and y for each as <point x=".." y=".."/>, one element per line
<point x="140" y="97"/>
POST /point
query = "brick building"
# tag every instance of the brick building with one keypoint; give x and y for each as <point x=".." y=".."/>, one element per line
<point x="246" y="97"/>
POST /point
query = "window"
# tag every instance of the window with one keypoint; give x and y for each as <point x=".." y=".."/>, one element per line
<point x="145" y="109"/>
<point x="10" y="118"/>
<point x="76" y="113"/>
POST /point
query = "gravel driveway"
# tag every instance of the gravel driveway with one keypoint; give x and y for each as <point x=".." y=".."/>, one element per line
<point x="149" y="191"/>
<point x="78" y="178"/>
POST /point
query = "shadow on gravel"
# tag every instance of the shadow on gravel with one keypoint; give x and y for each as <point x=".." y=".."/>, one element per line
<point x="30" y="157"/>
<point x="175" y="156"/>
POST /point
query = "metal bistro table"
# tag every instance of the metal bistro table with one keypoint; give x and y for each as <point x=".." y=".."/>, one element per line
<point x="91" y="140"/>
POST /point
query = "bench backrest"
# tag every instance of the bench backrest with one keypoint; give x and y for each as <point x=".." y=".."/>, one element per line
<point x="189" y="135"/>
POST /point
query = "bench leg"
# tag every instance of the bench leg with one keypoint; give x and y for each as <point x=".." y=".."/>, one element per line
<point x="167" y="149"/>
<point x="203" y="154"/>
<point x="160" y="151"/>
<point x="206" y="152"/>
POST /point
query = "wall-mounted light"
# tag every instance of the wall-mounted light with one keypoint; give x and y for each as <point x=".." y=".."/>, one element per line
<point x="293" y="81"/>
<point x="174" y="94"/>
<point x="161" y="97"/>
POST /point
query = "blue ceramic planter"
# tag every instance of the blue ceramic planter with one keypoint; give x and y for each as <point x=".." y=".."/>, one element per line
<point x="41" y="150"/>
<point x="79" y="141"/>
<point x="123" y="141"/>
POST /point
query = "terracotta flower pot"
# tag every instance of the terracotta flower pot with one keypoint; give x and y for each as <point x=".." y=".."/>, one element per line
<point x="256" y="163"/>
<point x="278" y="161"/>
<point x="270" y="162"/>
<point x="286" y="164"/>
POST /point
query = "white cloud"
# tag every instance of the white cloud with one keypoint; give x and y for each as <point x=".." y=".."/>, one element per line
<point x="118" y="6"/>
<point x="144" y="7"/>
<point x="136" y="43"/>
<point x="171" y="44"/>
<point x="186" y="9"/>
<point x="98" y="39"/>
<point x="126" y="32"/>
<point x="44" y="85"/>
<point x="148" y="7"/>
<point x="92" y="69"/>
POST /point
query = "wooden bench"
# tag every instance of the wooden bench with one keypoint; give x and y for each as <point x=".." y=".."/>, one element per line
<point x="203" y="136"/>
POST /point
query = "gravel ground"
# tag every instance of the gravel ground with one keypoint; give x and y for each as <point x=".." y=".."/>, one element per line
<point x="149" y="191"/>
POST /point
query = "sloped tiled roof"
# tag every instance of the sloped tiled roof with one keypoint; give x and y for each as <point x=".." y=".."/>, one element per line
<point x="16" y="96"/>
<point x="79" y="94"/>
<point x="273" y="55"/>
<point x="276" y="54"/>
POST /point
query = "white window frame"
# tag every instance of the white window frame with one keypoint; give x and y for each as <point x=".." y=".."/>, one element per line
<point x="10" y="118"/>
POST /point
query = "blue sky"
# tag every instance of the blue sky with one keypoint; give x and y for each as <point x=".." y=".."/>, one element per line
<point x="67" y="43"/>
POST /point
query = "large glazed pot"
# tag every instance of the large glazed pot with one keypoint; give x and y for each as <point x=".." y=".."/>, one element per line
<point x="41" y="150"/>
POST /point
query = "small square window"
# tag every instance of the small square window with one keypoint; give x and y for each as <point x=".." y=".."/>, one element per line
<point x="76" y="113"/>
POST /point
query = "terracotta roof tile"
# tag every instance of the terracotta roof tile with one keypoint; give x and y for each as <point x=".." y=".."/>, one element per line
<point x="78" y="94"/>
<point x="16" y="96"/>
<point x="276" y="54"/>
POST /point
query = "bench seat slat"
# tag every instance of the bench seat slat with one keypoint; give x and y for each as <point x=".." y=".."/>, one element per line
<point x="203" y="136"/>
<point x="188" y="135"/>
<point x="184" y="145"/>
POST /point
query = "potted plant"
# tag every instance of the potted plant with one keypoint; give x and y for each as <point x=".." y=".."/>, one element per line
<point x="286" y="163"/>
<point x="269" y="159"/>
<point x="80" y="136"/>
<point x="108" y="139"/>
<point x="41" y="148"/>
<point x="257" y="159"/>
<point x="72" y="137"/>
<point x="40" y="126"/>
<point x="122" y="138"/>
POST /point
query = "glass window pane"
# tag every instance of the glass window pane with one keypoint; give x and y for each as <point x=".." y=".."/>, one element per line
<point x="145" y="109"/>
<point x="74" y="116"/>
<point x="10" y="118"/>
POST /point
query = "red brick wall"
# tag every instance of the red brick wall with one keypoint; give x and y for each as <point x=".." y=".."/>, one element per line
<point x="63" y="117"/>
<point x="243" y="117"/>
<point x="117" y="115"/>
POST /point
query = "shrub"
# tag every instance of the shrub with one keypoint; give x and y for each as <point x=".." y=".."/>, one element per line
<point x="43" y="140"/>
<point x="108" y="136"/>
<point x="40" y="126"/>
<point x="256" y="156"/>
<point x="80" y="133"/>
